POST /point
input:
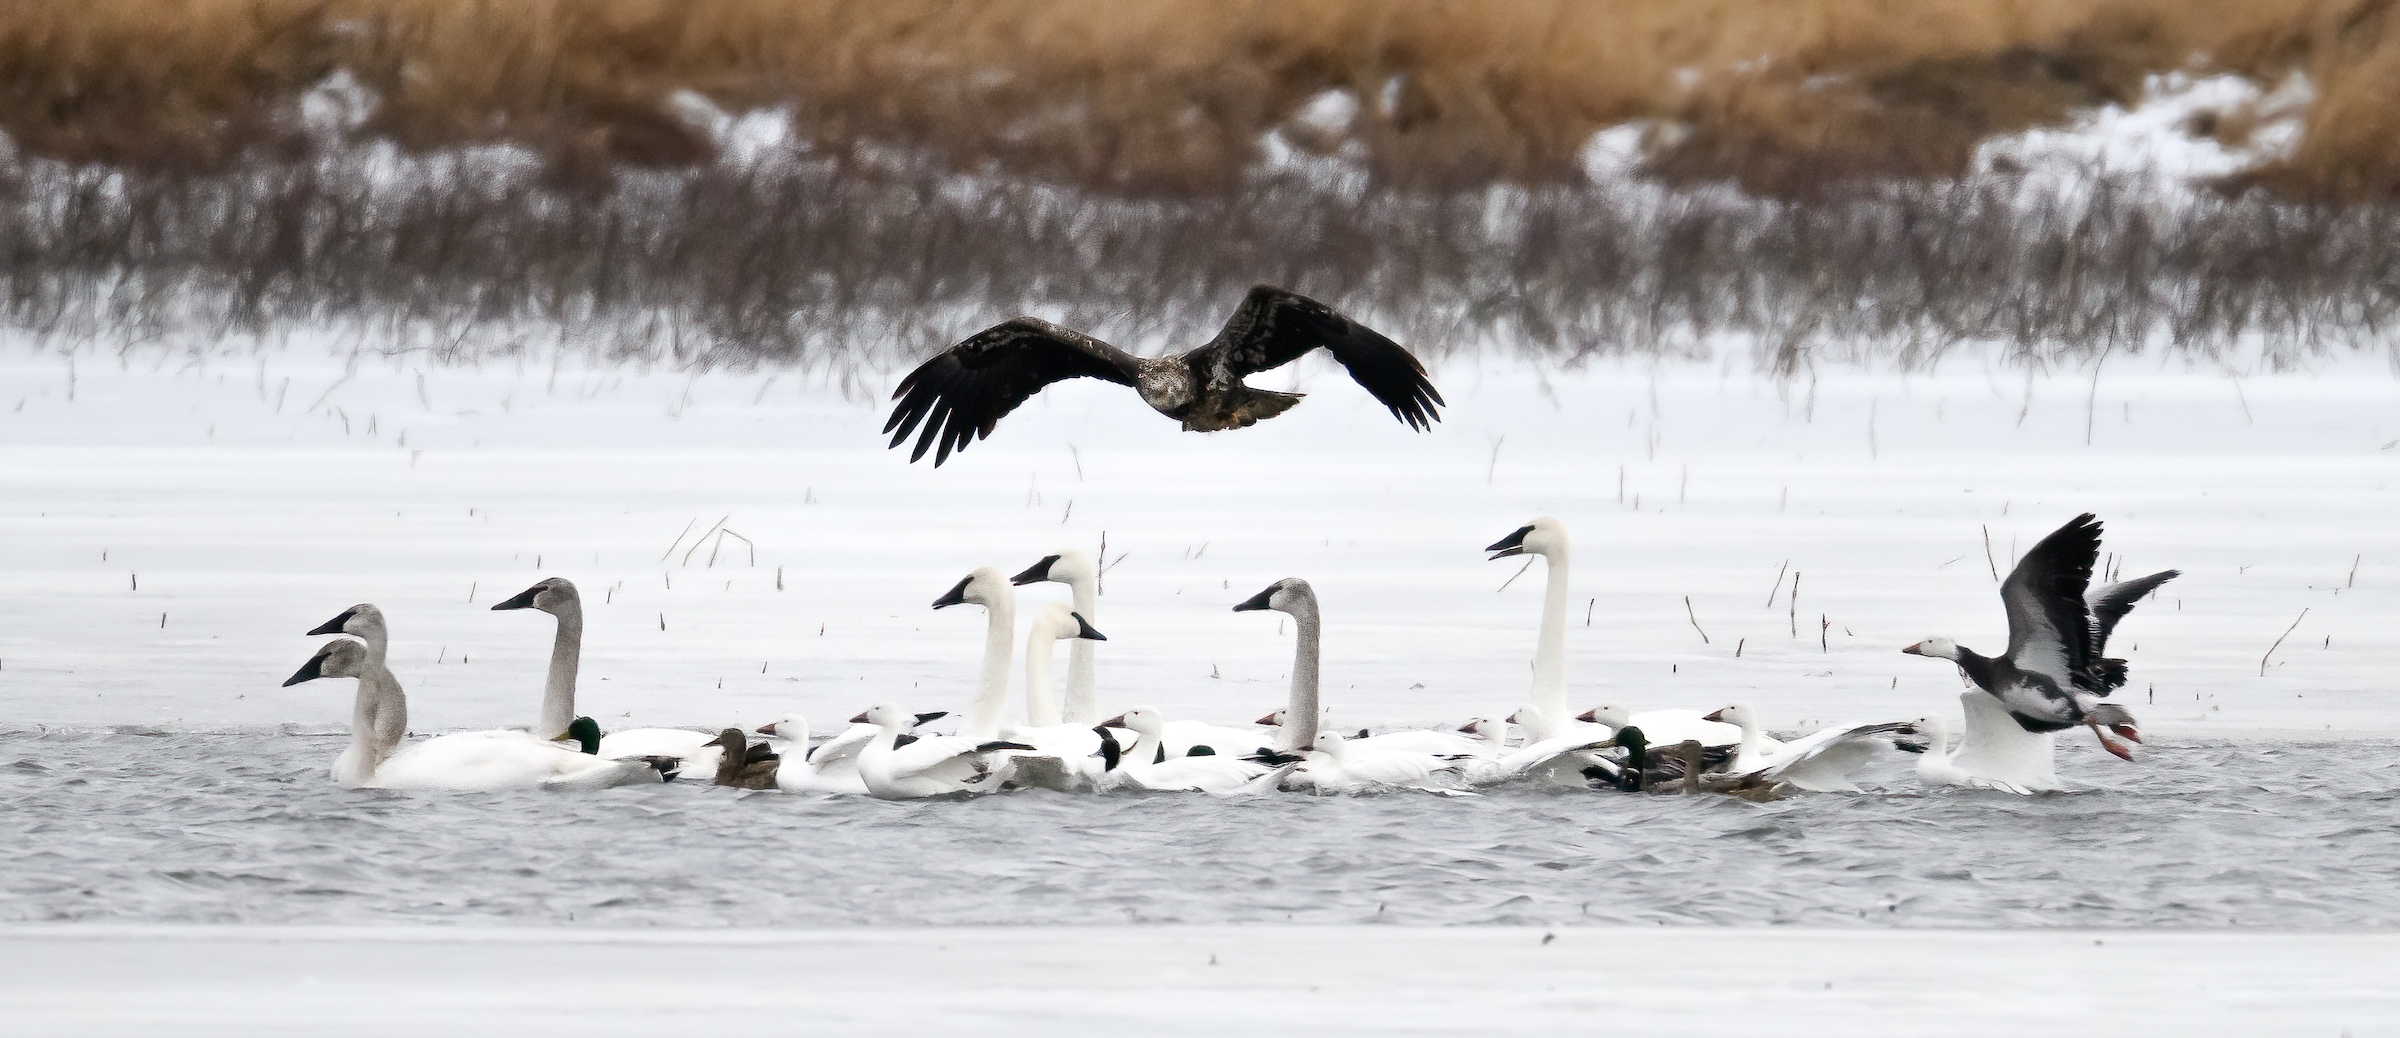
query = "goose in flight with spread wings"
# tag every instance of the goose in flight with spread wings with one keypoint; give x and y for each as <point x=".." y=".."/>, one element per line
<point x="2054" y="673"/>
<point x="960" y="394"/>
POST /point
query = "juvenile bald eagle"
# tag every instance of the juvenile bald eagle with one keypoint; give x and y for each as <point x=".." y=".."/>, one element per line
<point x="962" y="392"/>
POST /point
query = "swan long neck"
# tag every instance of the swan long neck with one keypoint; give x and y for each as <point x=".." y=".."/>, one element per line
<point x="1083" y="682"/>
<point x="1041" y="697"/>
<point x="378" y="719"/>
<point x="566" y="658"/>
<point x="1299" y="730"/>
<point x="991" y="690"/>
<point x="1550" y="651"/>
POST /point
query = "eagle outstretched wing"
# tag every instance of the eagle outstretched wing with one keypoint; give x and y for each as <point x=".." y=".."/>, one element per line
<point x="1274" y="327"/>
<point x="958" y="396"/>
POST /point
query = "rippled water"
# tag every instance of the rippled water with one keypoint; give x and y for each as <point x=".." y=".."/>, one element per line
<point x="247" y="828"/>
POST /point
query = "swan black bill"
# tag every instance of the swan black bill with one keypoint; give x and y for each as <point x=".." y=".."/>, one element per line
<point x="1083" y="629"/>
<point x="1513" y="544"/>
<point x="1257" y="601"/>
<point x="309" y="671"/>
<point x="334" y="626"/>
<point x="524" y="599"/>
<point x="1036" y="573"/>
<point x="957" y="595"/>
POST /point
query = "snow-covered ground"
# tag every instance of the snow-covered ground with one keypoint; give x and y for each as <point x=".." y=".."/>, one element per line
<point x="171" y="527"/>
<point x="102" y="980"/>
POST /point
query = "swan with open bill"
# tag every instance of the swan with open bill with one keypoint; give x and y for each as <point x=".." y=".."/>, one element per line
<point x="959" y="395"/>
<point x="1822" y="760"/>
<point x="557" y="596"/>
<point x="936" y="765"/>
<point x="377" y="759"/>
<point x="2055" y="670"/>
<point x="1548" y="716"/>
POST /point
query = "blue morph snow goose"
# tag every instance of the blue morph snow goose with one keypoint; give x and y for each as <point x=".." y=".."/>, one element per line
<point x="2054" y="673"/>
<point x="959" y="395"/>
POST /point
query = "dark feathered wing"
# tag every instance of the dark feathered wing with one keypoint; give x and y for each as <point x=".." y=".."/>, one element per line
<point x="2049" y="627"/>
<point x="963" y="391"/>
<point x="1274" y="327"/>
<point x="2109" y="605"/>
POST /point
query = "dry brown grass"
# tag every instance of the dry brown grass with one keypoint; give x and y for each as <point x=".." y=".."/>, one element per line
<point x="1172" y="96"/>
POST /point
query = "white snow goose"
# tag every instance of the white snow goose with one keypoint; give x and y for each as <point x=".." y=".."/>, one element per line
<point x="1209" y="772"/>
<point x="1822" y="760"/>
<point x="936" y="765"/>
<point x="959" y="395"/>
<point x="2055" y="671"/>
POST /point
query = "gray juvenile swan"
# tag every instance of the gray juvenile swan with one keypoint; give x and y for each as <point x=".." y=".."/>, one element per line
<point x="376" y="759"/>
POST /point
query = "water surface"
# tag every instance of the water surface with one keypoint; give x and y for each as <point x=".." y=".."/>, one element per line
<point x="214" y="827"/>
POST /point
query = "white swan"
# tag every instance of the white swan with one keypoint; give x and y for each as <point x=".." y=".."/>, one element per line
<point x="557" y="596"/>
<point x="1822" y="761"/>
<point x="376" y="759"/>
<point x="987" y="588"/>
<point x="1207" y="773"/>
<point x="936" y="765"/>
<point x="1067" y="755"/>
<point x="1074" y="568"/>
<point x="1548" y="717"/>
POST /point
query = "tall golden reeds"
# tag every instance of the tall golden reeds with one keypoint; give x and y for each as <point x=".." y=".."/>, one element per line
<point x="1174" y="96"/>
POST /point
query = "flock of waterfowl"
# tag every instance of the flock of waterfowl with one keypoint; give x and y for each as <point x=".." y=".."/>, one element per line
<point x="2053" y="677"/>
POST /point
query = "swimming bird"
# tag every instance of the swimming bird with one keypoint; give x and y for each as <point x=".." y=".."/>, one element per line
<point x="558" y="597"/>
<point x="1293" y="597"/>
<point x="1989" y="766"/>
<point x="828" y="767"/>
<point x="2054" y="673"/>
<point x="742" y="765"/>
<point x="1210" y="772"/>
<point x="960" y="394"/>
<point x="500" y="759"/>
<point x="1547" y="717"/>
<point x="1074" y="567"/>
<point x="1822" y="760"/>
<point x="937" y="765"/>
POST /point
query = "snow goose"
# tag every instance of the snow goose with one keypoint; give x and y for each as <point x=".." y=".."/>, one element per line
<point x="1209" y="772"/>
<point x="962" y="392"/>
<point x="1939" y="766"/>
<point x="1548" y="716"/>
<point x="1074" y="568"/>
<point x="1333" y="767"/>
<point x="828" y="767"/>
<point x="376" y="759"/>
<point x="1495" y="762"/>
<point x="1158" y="738"/>
<point x="936" y="765"/>
<point x="1822" y="761"/>
<point x="557" y="596"/>
<point x="2055" y="670"/>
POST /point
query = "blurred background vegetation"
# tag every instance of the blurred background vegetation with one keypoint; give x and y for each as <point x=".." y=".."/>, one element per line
<point x="1802" y="173"/>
